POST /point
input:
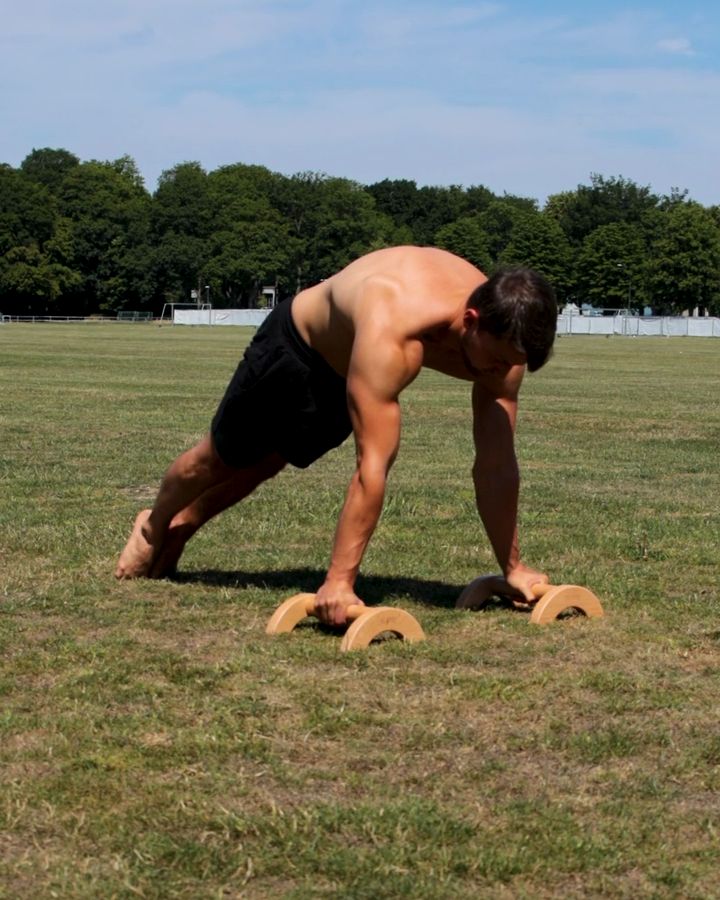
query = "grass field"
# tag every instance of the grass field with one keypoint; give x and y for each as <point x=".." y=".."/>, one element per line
<point x="155" y="743"/>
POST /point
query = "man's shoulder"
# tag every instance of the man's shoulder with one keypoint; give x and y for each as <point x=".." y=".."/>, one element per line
<point x="417" y="284"/>
<point x="390" y="310"/>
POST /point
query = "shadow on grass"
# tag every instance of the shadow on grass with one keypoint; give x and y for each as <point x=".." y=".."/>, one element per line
<point x="374" y="589"/>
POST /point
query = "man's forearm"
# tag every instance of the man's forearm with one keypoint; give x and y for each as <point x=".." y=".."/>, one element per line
<point x="357" y="522"/>
<point x="496" y="493"/>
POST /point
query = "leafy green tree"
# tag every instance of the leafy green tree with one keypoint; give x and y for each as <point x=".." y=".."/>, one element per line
<point x="537" y="241"/>
<point x="684" y="266"/>
<point x="245" y="258"/>
<point x="34" y="271"/>
<point x="348" y="227"/>
<point x="181" y="202"/>
<point x="32" y="283"/>
<point x="498" y="220"/>
<point x="436" y="207"/>
<point x="477" y="198"/>
<point x="465" y="237"/>
<point x="424" y="211"/>
<point x="674" y="198"/>
<point x="397" y="199"/>
<point x="604" y="200"/>
<point x="27" y="213"/>
<point x="251" y="243"/>
<point x="48" y="166"/>
<point x="109" y="212"/>
<point x="610" y="268"/>
<point x="79" y="237"/>
<point x="127" y="167"/>
<point x="181" y="225"/>
<point x="334" y="220"/>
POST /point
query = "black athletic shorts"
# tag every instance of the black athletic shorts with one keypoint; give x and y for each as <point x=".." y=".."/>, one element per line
<point x="282" y="398"/>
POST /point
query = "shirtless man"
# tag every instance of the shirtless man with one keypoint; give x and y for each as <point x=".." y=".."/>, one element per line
<point x="334" y="361"/>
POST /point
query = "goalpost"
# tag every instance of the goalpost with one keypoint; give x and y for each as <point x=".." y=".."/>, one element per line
<point x="205" y="308"/>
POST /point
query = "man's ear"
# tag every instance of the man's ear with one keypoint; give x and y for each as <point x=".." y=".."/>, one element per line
<point x="471" y="317"/>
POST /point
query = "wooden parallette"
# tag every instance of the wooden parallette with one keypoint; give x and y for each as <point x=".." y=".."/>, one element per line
<point x="367" y="622"/>
<point x="552" y="599"/>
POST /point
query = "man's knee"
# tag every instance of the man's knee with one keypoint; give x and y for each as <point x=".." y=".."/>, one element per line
<point x="204" y="460"/>
<point x="265" y="468"/>
<point x="244" y="481"/>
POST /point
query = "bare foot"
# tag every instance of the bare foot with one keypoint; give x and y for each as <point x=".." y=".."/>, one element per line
<point x="168" y="556"/>
<point x="137" y="558"/>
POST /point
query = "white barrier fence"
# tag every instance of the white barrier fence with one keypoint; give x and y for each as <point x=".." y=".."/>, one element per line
<point x="219" y="316"/>
<point x="640" y="326"/>
<point x="634" y="326"/>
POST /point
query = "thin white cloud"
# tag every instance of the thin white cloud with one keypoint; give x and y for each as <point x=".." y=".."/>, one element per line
<point x="183" y="32"/>
<point x="680" y="46"/>
<point x="422" y="23"/>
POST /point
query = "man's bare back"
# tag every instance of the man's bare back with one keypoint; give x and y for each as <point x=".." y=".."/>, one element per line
<point x="426" y="287"/>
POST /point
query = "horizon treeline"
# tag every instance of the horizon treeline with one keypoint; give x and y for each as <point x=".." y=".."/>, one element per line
<point x="84" y="238"/>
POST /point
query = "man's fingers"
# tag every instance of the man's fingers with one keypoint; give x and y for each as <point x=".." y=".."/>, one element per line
<point x="330" y="614"/>
<point x="336" y="614"/>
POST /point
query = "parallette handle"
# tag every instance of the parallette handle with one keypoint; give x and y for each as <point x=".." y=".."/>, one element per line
<point x="352" y="612"/>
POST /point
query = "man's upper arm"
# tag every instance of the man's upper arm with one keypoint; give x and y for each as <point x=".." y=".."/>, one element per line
<point x="381" y="365"/>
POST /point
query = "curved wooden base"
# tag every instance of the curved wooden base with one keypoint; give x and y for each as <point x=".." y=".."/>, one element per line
<point x="553" y="599"/>
<point x="378" y="619"/>
<point x="290" y="612"/>
<point x="558" y="598"/>
<point x="367" y="622"/>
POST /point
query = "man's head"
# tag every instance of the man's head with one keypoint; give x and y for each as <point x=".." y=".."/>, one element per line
<point x="518" y="305"/>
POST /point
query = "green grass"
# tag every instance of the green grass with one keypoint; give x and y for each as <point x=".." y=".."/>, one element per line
<point x="155" y="743"/>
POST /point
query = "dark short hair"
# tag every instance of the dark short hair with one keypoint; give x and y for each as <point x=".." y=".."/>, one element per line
<point x="519" y="305"/>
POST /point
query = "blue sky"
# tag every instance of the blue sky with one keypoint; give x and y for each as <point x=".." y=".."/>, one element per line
<point x="528" y="98"/>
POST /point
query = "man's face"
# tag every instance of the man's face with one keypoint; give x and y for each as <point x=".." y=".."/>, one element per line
<point x="486" y="355"/>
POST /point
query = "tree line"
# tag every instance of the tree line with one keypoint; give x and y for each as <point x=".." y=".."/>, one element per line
<point x="82" y="238"/>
